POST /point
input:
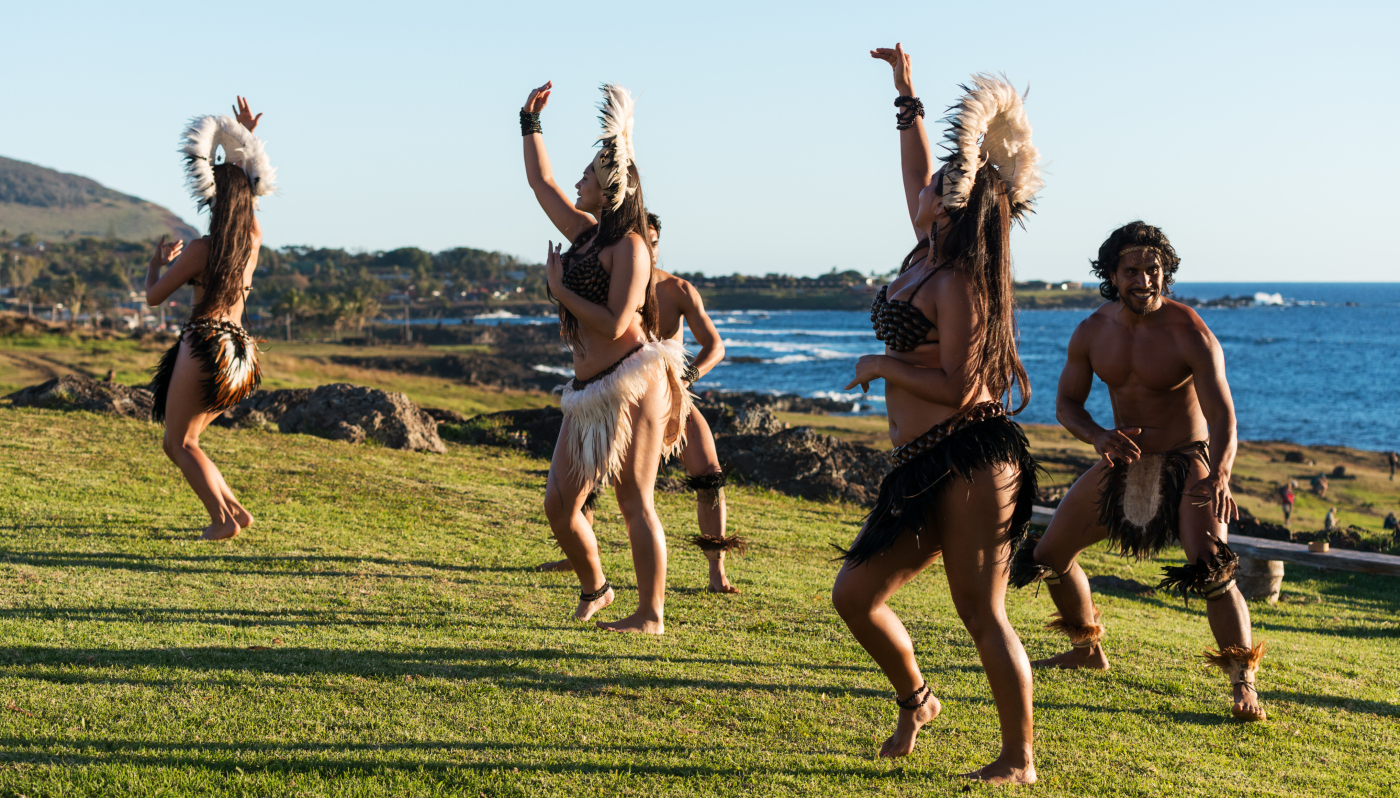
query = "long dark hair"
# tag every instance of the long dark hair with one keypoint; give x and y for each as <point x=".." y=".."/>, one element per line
<point x="230" y="241"/>
<point x="1134" y="234"/>
<point x="611" y="228"/>
<point x="977" y="242"/>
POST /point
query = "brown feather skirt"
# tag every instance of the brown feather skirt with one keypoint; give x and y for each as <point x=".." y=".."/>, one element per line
<point x="229" y="357"/>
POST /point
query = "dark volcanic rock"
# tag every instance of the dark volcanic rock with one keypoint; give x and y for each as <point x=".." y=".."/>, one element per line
<point x="1099" y="584"/>
<point x="535" y="430"/>
<point x="802" y="462"/>
<point x="474" y="368"/>
<point x="77" y="392"/>
<point x="1252" y="527"/>
<point x="263" y="408"/>
<point x="781" y="403"/>
<point x="354" y="414"/>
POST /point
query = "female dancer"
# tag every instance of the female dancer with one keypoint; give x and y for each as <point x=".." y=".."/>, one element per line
<point x="627" y="405"/>
<point x="678" y="301"/>
<point x="964" y="479"/>
<point x="214" y="365"/>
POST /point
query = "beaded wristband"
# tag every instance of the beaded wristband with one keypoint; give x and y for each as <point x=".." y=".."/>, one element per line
<point x="691" y="374"/>
<point x="529" y="123"/>
<point x="909" y="108"/>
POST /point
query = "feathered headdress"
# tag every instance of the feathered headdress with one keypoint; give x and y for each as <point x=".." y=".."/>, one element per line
<point x="205" y="135"/>
<point x="616" y="141"/>
<point x="989" y="123"/>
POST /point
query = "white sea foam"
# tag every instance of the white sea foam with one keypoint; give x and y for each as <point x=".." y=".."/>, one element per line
<point x="560" y="370"/>
<point x="1262" y="298"/>
<point x="496" y="314"/>
<point x="838" y="396"/>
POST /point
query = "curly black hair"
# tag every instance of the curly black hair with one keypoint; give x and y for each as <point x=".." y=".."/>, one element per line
<point x="1133" y="234"/>
<point x="654" y="222"/>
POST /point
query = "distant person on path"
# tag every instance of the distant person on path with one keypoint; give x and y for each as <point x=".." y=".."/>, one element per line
<point x="1165" y="467"/>
<point x="1287" y="496"/>
<point x="628" y="405"/>
<point x="1330" y="522"/>
<point x="963" y="480"/>
<point x="1391" y="524"/>
<point x="214" y="365"/>
<point x="1394" y="459"/>
<point x="678" y="301"/>
<point x="1319" y="486"/>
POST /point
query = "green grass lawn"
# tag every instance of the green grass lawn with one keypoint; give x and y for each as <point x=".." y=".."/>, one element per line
<point x="380" y="632"/>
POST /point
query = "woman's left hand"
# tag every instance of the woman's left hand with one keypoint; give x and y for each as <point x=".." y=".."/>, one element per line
<point x="244" y="115"/>
<point x="554" y="267"/>
<point x="867" y="370"/>
<point x="167" y="253"/>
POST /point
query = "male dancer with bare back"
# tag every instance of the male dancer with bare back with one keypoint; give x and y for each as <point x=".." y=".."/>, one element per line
<point x="677" y="301"/>
<point x="1165" y="467"/>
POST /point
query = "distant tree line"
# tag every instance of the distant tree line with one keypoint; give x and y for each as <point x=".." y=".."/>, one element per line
<point x="331" y="290"/>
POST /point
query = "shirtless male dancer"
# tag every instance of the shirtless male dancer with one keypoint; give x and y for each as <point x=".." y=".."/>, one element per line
<point x="679" y="301"/>
<point x="1165" y="467"/>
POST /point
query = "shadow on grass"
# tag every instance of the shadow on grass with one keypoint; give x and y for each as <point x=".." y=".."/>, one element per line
<point x="492" y="669"/>
<point x="274" y="565"/>
<point x="275" y="758"/>
<point x="1353" y="705"/>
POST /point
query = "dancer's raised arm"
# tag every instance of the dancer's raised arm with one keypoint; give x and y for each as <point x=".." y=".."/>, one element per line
<point x="627" y="290"/>
<point x="570" y="220"/>
<point x="915" y="156"/>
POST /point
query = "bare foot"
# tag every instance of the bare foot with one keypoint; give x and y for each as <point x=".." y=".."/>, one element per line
<point x="555" y="565"/>
<point x="719" y="582"/>
<point x="1092" y="659"/>
<point x="242" y="516"/>
<point x="1001" y="772"/>
<point x="587" y="609"/>
<point x="901" y="743"/>
<point x="636" y="624"/>
<point x="1246" y="706"/>
<point x="220" y="531"/>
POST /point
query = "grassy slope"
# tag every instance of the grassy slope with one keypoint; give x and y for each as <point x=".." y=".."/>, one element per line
<point x="378" y="633"/>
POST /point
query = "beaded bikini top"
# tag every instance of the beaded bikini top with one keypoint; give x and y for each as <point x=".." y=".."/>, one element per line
<point x="584" y="274"/>
<point x="897" y="322"/>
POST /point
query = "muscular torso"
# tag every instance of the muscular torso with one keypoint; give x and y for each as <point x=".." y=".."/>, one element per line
<point x="1150" y="382"/>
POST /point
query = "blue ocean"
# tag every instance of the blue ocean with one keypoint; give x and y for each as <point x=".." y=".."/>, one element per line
<point x="1313" y="363"/>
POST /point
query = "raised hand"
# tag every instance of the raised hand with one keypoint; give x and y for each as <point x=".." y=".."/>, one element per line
<point x="538" y="98"/>
<point x="1115" y="446"/>
<point x="167" y="253"/>
<point x="1214" y="492"/>
<point x="903" y="70"/>
<point x="554" y="267"/>
<point x="245" y="116"/>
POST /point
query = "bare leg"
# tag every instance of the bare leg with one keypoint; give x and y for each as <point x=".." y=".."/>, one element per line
<point x="184" y="421"/>
<point x="1074" y="528"/>
<point x="564" y="564"/>
<point x="564" y="496"/>
<point x="240" y="513"/>
<point x="711" y="511"/>
<point x="635" y="488"/>
<point x="860" y="596"/>
<point x="976" y="515"/>
<point x="1229" y="614"/>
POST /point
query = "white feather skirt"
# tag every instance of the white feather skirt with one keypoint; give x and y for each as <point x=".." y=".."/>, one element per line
<point x="599" y="415"/>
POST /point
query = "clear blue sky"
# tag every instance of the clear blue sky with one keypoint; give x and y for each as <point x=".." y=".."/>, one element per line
<point x="1259" y="136"/>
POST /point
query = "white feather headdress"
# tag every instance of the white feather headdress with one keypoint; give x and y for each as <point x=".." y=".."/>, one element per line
<point x="989" y="123"/>
<point x="618" y="152"/>
<point x="199" y="143"/>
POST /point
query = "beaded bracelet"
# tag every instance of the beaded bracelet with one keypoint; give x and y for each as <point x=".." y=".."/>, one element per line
<point x="529" y="123"/>
<point x="909" y="108"/>
<point x="691" y="374"/>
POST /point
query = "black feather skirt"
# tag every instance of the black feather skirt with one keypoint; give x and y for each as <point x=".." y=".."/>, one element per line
<point x="1140" y="504"/>
<point x="980" y="438"/>
<point x="228" y="356"/>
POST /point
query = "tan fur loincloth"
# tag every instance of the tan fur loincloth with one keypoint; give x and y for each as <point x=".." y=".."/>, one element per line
<point x="1140" y="503"/>
<point x="599" y="412"/>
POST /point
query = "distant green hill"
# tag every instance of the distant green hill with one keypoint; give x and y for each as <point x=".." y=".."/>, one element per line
<point x="57" y="207"/>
